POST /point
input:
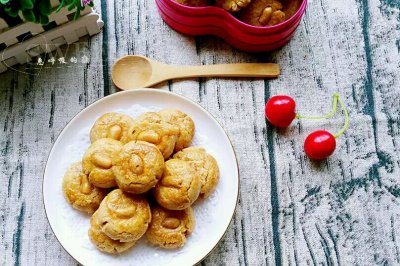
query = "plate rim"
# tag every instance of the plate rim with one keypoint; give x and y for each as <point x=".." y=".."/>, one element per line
<point x="145" y="90"/>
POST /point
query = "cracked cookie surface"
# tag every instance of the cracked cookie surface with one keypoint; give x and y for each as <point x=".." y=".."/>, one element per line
<point x="179" y="187"/>
<point x="169" y="229"/>
<point x="152" y="128"/>
<point x="112" y="125"/>
<point x="122" y="216"/>
<point x="99" y="160"/>
<point x="138" y="167"/>
<point x="205" y="165"/>
<point x="263" y="13"/>
<point x="185" y="124"/>
<point x="269" y="12"/>
<point x="233" y="5"/>
<point x="104" y="243"/>
<point x="79" y="192"/>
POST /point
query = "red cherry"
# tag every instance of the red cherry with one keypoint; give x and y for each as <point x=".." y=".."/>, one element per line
<point x="280" y="110"/>
<point x="319" y="145"/>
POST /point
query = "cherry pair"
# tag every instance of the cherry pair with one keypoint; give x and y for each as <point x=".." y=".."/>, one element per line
<point x="280" y="111"/>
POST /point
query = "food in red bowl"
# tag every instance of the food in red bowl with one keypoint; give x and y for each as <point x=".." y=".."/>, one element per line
<point x="273" y="27"/>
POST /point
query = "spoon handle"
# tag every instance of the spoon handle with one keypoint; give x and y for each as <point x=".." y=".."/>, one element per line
<point x="268" y="70"/>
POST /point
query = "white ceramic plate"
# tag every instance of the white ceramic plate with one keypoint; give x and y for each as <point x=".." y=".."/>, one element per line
<point x="213" y="215"/>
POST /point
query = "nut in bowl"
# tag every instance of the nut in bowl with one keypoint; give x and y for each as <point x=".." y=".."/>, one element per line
<point x="253" y="26"/>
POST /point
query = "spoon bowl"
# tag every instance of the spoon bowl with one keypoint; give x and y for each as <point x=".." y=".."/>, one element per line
<point x="132" y="72"/>
<point x="135" y="71"/>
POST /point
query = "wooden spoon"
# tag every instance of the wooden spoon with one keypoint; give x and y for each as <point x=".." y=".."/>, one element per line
<point x="134" y="71"/>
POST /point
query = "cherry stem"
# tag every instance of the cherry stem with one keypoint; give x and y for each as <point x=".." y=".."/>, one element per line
<point x="347" y="119"/>
<point x="329" y="115"/>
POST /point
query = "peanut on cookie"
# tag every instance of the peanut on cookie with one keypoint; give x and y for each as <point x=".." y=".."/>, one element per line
<point x="232" y="5"/>
<point x="169" y="229"/>
<point x="179" y="187"/>
<point x="112" y="125"/>
<point x="98" y="162"/>
<point x="150" y="127"/>
<point x="263" y="13"/>
<point x="104" y="243"/>
<point x="122" y="216"/>
<point x="185" y="124"/>
<point x="138" y="167"/>
<point x="79" y="192"/>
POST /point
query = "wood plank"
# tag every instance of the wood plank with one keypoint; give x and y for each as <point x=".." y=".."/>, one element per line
<point x="332" y="213"/>
<point x="292" y="211"/>
<point x="36" y="106"/>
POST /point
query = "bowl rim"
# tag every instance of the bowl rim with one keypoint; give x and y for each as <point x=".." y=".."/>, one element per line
<point x="217" y="10"/>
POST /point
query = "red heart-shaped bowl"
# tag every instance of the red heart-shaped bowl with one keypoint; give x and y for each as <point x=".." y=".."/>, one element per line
<point x="211" y="20"/>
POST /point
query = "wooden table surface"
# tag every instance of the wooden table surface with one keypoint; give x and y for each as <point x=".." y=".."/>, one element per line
<point x="292" y="211"/>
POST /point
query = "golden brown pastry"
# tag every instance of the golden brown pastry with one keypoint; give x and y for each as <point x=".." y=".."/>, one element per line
<point x="290" y="7"/>
<point x="194" y="2"/>
<point x="98" y="162"/>
<point x="122" y="216"/>
<point x="263" y="13"/>
<point x="169" y="229"/>
<point x="185" y="125"/>
<point x="150" y="127"/>
<point x="179" y="187"/>
<point x="112" y="125"/>
<point x="232" y="5"/>
<point x="79" y="192"/>
<point x="205" y="165"/>
<point x="104" y="243"/>
<point x="138" y="167"/>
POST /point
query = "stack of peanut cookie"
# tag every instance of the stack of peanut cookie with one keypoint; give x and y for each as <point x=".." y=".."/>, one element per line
<point x="139" y="177"/>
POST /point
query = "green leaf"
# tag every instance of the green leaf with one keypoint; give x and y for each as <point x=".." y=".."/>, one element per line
<point x="60" y="6"/>
<point x="44" y="20"/>
<point x="26" y="4"/>
<point x="45" y="7"/>
<point x="77" y="14"/>
<point x="4" y="1"/>
<point x="11" y="12"/>
<point x="71" y="6"/>
<point x="29" y="15"/>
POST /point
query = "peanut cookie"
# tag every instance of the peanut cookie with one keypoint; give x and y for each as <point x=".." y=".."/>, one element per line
<point x="290" y="7"/>
<point x="205" y="165"/>
<point x="232" y="5"/>
<point x="138" y="167"/>
<point x="179" y="187"/>
<point x="123" y="216"/>
<point x="79" y="192"/>
<point x="104" y="243"/>
<point x="112" y="125"/>
<point x="185" y="125"/>
<point x="169" y="229"/>
<point x="263" y="13"/>
<point x="150" y="127"/>
<point x="98" y="162"/>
